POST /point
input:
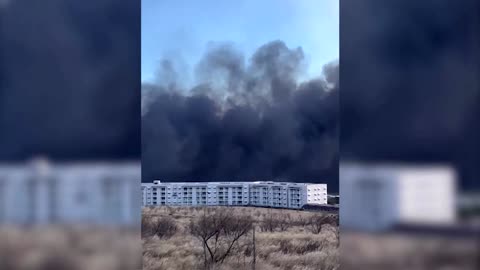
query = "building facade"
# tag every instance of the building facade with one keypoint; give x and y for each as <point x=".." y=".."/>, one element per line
<point x="380" y="197"/>
<point x="100" y="193"/>
<point x="266" y="194"/>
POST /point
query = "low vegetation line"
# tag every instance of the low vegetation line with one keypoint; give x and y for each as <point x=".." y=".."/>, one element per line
<point x="238" y="238"/>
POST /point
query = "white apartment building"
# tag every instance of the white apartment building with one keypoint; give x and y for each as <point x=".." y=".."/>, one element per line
<point x="101" y="193"/>
<point x="266" y="194"/>
<point x="380" y="196"/>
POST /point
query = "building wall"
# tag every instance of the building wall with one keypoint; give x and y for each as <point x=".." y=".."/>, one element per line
<point x="266" y="194"/>
<point x="317" y="193"/>
<point x="427" y="196"/>
<point x="97" y="193"/>
<point x="376" y="197"/>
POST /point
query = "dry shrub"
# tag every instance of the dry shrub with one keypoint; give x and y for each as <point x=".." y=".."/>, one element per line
<point x="289" y="245"/>
<point x="298" y="243"/>
<point x="219" y="233"/>
<point x="302" y="220"/>
<point x="275" y="222"/>
<point x="285" y="223"/>
<point x="163" y="227"/>
<point x="186" y="263"/>
<point x="258" y="213"/>
<point x="292" y="247"/>
<point x="316" y="222"/>
<point x="171" y="210"/>
<point x="245" y="265"/>
<point x="269" y="223"/>
<point x="177" y="252"/>
<point x="58" y="248"/>
<point x="310" y="261"/>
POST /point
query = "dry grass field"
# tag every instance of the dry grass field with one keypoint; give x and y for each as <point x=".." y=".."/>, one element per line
<point x="67" y="248"/>
<point x="181" y="238"/>
<point x="398" y="251"/>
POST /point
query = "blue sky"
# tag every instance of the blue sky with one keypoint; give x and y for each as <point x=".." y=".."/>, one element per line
<point x="181" y="29"/>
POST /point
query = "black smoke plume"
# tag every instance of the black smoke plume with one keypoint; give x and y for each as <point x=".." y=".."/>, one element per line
<point x="243" y="121"/>
<point x="410" y="83"/>
<point x="70" y="79"/>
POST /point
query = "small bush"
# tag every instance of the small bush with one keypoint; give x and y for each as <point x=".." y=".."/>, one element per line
<point x="269" y="223"/>
<point x="274" y="222"/>
<point x="164" y="227"/>
<point x="316" y="221"/>
<point x="221" y="238"/>
<point x="299" y="247"/>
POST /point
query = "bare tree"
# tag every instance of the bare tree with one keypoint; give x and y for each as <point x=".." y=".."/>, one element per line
<point x="316" y="221"/>
<point x="300" y="221"/>
<point x="284" y="222"/>
<point x="219" y="233"/>
<point x="272" y="222"/>
<point x="269" y="223"/>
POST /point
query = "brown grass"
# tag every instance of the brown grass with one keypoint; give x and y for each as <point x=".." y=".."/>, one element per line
<point x="287" y="245"/>
<point x="62" y="248"/>
<point x="406" y="251"/>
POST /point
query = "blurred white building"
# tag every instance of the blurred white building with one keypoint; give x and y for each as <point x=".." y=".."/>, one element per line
<point x="268" y="194"/>
<point x="378" y="197"/>
<point x="70" y="193"/>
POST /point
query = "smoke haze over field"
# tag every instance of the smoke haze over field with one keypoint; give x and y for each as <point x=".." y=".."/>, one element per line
<point x="410" y="83"/>
<point x="69" y="79"/>
<point x="244" y="120"/>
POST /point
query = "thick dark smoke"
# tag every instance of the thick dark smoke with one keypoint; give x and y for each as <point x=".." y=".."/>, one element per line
<point x="410" y="82"/>
<point x="70" y="79"/>
<point x="243" y="122"/>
